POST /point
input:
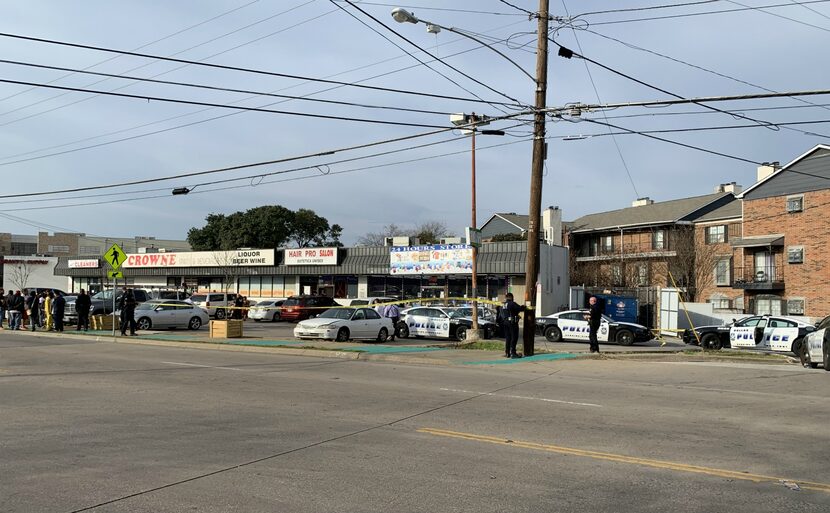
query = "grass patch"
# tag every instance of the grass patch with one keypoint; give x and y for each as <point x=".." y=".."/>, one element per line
<point x="483" y="346"/>
<point x="737" y="354"/>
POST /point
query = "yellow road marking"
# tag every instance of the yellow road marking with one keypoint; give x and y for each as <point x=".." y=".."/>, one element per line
<point x="620" y="458"/>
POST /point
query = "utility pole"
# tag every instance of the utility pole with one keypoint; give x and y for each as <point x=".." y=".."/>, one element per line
<point x="473" y="226"/>
<point x="535" y="210"/>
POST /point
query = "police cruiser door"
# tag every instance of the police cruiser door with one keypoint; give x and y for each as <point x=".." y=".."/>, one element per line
<point x="744" y="333"/>
<point x="574" y="327"/>
<point x="780" y="334"/>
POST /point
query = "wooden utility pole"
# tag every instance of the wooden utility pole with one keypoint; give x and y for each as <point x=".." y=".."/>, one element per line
<point x="535" y="210"/>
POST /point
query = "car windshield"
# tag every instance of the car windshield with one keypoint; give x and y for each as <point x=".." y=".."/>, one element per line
<point x="104" y="294"/>
<point x="148" y="305"/>
<point x="291" y="302"/>
<point x="336" y="313"/>
<point x="199" y="298"/>
<point x="266" y="303"/>
<point x="360" y="302"/>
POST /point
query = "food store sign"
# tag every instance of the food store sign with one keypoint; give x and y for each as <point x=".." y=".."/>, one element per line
<point x="238" y="258"/>
<point x="438" y="259"/>
<point x="311" y="256"/>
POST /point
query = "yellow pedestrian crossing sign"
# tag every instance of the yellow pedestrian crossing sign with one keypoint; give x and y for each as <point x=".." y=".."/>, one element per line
<point x="115" y="256"/>
<point x="115" y="274"/>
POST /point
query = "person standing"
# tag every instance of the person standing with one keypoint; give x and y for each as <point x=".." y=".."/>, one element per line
<point x="509" y="317"/>
<point x="82" y="306"/>
<point x="238" y="303"/>
<point x="391" y="311"/>
<point x="16" y="307"/>
<point x="47" y="309"/>
<point x="9" y="301"/>
<point x="34" y="310"/>
<point x="127" y="306"/>
<point x="594" y="318"/>
<point x="58" y="308"/>
<point x="2" y="307"/>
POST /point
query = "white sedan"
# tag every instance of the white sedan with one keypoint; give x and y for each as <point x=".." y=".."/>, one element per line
<point x="169" y="313"/>
<point x="815" y="349"/>
<point x="342" y="324"/>
<point x="268" y="310"/>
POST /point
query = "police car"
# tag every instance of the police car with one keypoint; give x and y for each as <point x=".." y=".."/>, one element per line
<point x="815" y="349"/>
<point x="571" y="325"/>
<point x="440" y="322"/>
<point x="766" y="332"/>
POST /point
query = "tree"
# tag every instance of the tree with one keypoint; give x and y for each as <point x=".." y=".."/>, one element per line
<point x="309" y="229"/>
<point x="693" y="267"/>
<point x="505" y="237"/>
<point x="379" y="238"/>
<point x="430" y="232"/>
<point x="20" y="272"/>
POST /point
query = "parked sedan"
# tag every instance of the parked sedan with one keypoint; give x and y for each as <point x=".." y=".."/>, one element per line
<point x="170" y="314"/>
<point x="765" y="332"/>
<point x="815" y="349"/>
<point x="342" y="324"/>
<point x="435" y="322"/>
<point x="267" y="310"/>
<point x="571" y="325"/>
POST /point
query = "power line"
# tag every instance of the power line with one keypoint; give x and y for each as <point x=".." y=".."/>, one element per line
<point x="218" y="88"/>
<point x="761" y="9"/>
<point x="444" y="9"/>
<point x="251" y="70"/>
<point x="814" y="11"/>
<point x="697" y="112"/>
<point x="522" y="9"/>
<point x="704" y="13"/>
<point x="479" y="82"/>
<point x="218" y="105"/>
<point x="647" y="8"/>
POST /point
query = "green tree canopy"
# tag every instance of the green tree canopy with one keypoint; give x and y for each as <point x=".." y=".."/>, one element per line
<point x="269" y="226"/>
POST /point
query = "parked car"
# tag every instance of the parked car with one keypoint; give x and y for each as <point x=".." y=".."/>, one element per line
<point x="571" y="325"/>
<point x="169" y="313"/>
<point x="169" y="294"/>
<point x="343" y="324"/>
<point x="38" y="290"/>
<point x="267" y="310"/>
<point x="767" y="332"/>
<point x="216" y="303"/>
<point x="434" y="322"/>
<point x="102" y="301"/>
<point x="299" y="308"/>
<point x="815" y="349"/>
<point x="366" y="301"/>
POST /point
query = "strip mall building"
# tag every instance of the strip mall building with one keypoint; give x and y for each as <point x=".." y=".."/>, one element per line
<point x="356" y="272"/>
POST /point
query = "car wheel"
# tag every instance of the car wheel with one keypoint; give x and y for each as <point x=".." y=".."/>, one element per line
<point x="489" y="332"/>
<point x="144" y="323"/>
<point x="276" y="317"/>
<point x="220" y="314"/>
<point x="403" y="331"/>
<point x="461" y="333"/>
<point x="796" y="347"/>
<point x="343" y="335"/>
<point x="804" y="356"/>
<point x="553" y="334"/>
<point x="194" y="324"/>
<point x="625" y="338"/>
<point x="826" y="358"/>
<point x="256" y="320"/>
<point x="383" y="334"/>
<point x="710" y="341"/>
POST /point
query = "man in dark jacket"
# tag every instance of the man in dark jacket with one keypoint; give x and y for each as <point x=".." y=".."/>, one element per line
<point x="594" y="318"/>
<point x="509" y="317"/>
<point x="82" y="305"/>
<point x="58" y="308"/>
<point x="34" y="311"/>
<point x="16" y="306"/>
<point x="128" y="312"/>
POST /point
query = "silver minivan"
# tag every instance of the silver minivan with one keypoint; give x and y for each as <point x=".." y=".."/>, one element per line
<point x="216" y="303"/>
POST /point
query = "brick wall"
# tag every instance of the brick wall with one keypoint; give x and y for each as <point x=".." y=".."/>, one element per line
<point x="810" y="229"/>
<point x="70" y="240"/>
<point x="706" y="256"/>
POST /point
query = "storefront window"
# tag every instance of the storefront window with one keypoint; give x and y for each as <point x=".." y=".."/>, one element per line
<point x="254" y="289"/>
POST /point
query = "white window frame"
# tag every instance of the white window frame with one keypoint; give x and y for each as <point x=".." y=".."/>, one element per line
<point x="792" y="250"/>
<point x="58" y="249"/>
<point x="719" y="302"/>
<point x="606" y="243"/>
<point x="658" y="241"/>
<point x="800" y="198"/>
<point x="803" y="307"/>
<point x="727" y="279"/>
<point x="722" y="233"/>
<point x="616" y="274"/>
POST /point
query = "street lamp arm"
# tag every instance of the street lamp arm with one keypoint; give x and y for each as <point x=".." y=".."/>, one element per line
<point x="491" y="47"/>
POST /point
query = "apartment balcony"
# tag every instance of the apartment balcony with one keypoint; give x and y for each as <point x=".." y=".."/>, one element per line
<point x="759" y="278"/>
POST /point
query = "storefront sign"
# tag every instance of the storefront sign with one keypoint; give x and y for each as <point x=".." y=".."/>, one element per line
<point x="311" y="256"/>
<point x="238" y="258"/>
<point x="91" y="263"/>
<point x="439" y="259"/>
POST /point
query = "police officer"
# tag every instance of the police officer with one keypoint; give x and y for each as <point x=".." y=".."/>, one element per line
<point x="128" y="312"/>
<point x="594" y="318"/>
<point x="509" y="317"/>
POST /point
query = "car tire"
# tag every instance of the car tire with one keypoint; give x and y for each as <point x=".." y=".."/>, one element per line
<point x="489" y="333"/>
<point x="826" y="357"/>
<point x="194" y="324"/>
<point x="710" y="341"/>
<point x="276" y="317"/>
<point x="342" y="335"/>
<point x="403" y="331"/>
<point x="256" y="320"/>
<point x="144" y="323"/>
<point x="625" y="337"/>
<point x="383" y="335"/>
<point x="461" y="333"/>
<point x="804" y="356"/>
<point x="553" y="334"/>
<point x="220" y="314"/>
<point x="796" y="347"/>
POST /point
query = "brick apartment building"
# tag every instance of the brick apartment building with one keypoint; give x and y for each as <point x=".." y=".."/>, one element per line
<point x="79" y="244"/>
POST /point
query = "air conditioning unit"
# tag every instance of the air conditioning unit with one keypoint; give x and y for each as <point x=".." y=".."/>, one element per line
<point x="452" y="240"/>
<point x="795" y="306"/>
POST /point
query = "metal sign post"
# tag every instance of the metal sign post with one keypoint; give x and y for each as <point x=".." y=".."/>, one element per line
<point x="115" y="257"/>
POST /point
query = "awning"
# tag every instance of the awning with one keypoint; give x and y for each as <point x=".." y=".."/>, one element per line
<point x="756" y="242"/>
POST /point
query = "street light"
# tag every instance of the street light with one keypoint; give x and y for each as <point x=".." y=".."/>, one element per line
<point x="540" y="82"/>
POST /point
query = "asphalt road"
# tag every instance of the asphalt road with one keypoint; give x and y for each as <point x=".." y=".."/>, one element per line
<point x="106" y="427"/>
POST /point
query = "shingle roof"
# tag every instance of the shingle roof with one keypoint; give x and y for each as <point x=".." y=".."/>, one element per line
<point x="731" y="210"/>
<point x="663" y="212"/>
<point x="516" y="219"/>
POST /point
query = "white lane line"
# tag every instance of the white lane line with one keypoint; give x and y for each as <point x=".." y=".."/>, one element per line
<point x="522" y="397"/>
<point x="753" y="366"/>
<point x="204" y="366"/>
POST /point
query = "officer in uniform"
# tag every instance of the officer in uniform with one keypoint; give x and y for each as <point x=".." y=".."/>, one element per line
<point x="509" y="317"/>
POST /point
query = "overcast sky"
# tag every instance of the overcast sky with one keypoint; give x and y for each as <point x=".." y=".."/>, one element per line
<point x="756" y="48"/>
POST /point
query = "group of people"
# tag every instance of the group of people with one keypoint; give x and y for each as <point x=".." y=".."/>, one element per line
<point x="240" y="307"/>
<point x="42" y="310"/>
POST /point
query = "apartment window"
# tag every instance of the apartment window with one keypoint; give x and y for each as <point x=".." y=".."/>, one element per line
<point x="722" y="272"/>
<point x="90" y="250"/>
<point x="58" y="249"/>
<point x="594" y="247"/>
<point x="607" y="243"/>
<point x="716" y="234"/>
<point x="720" y="303"/>
<point x="795" y="306"/>
<point x="795" y="254"/>
<point x="616" y="274"/>
<point x="795" y="204"/>
<point x="642" y="275"/>
<point x="659" y="240"/>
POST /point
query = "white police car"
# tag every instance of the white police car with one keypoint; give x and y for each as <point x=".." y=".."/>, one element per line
<point x="765" y="332"/>
<point x="815" y="349"/>
<point x="571" y="325"/>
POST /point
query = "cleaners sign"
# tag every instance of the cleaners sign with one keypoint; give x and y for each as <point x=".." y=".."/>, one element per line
<point x="311" y="256"/>
<point x="241" y="258"/>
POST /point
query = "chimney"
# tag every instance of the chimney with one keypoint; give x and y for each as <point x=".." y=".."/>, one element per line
<point x="766" y="169"/>
<point x="729" y="187"/>
<point x="552" y="226"/>
<point x="641" y="202"/>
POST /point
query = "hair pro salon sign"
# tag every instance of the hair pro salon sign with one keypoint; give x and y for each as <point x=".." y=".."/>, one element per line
<point x="241" y="258"/>
<point x="311" y="256"/>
